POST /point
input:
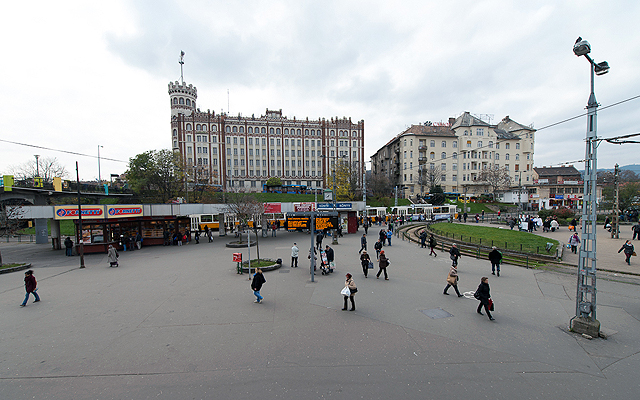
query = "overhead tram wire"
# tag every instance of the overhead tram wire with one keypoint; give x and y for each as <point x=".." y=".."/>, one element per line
<point x="61" y="151"/>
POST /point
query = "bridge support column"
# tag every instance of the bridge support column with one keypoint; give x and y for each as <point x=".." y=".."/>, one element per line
<point x="56" y="238"/>
<point x="42" y="234"/>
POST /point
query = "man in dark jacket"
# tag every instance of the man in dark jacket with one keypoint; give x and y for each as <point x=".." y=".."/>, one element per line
<point x="484" y="295"/>
<point x="256" y="285"/>
<point x="382" y="235"/>
<point x="378" y="247"/>
<point x="319" y="238"/>
<point x="432" y="245"/>
<point x="330" y="255"/>
<point x="454" y="254"/>
<point x="68" y="244"/>
<point x="363" y="243"/>
<point x="628" y="251"/>
<point x="423" y="239"/>
<point x="30" y="286"/>
<point x="636" y="231"/>
<point x="495" y="257"/>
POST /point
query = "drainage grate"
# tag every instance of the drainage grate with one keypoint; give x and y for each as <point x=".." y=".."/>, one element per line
<point x="436" y="313"/>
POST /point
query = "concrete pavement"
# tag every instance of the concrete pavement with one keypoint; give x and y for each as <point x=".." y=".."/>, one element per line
<point x="178" y="323"/>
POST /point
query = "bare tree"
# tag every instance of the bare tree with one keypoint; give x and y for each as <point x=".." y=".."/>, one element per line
<point x="246" y="208"/>
<point x="47" y="167"/>
<point x="429" y="177"/>
<point x="495" y="179"/>
<point x="379" y="185"/>
<point x="10" y="222"/>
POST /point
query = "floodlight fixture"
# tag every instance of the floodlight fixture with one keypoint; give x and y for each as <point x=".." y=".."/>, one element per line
<point x="581" y="47"/>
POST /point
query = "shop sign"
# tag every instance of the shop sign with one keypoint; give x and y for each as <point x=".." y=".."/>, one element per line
<point x="71" y="212"/>
<point x="339" y="206"/>
<point x="272" y="208"/>
<point x="304" y="207"/>
<point x="541" y="181"/>
<point x="294" y="223"/>
<point x="559" y="196"/>
<point x="570" y="182"/>
<point x="124" y="211"/>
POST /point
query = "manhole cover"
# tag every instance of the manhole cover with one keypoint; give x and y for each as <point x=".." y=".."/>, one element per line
<point x="283" y="271"/>
<point x="436" y="313"/>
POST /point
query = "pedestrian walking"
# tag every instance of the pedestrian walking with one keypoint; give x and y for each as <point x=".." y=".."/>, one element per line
<point x="574" y="222"/>
<point x="383" y="263"/>
<point x="112" y="256"/>
<point x="423" y="239"/>
<point x="454" y="254"/>
<point x="363" y="243"/>
<point x="383" y="236"/>
<point x="484" y="295"/>
<point x="574" y="242"/>
<point x="365" y="260"/>
<point x="636" y="231"/>
<point x="256" y="285"/>
<point x="68" y="244"/>
<point x="628" y="251"/>
<point x="274" y="227"/>
<point x="452" y="280"/>
<point x="495" y="257"/>
<point x="294" y="255"/>
<point x="378" y="247"/>
<point x="139" y="240"/>
<point x="197" y="237"/>
<point x="432" y="245"/>
<point x="31" y="286"/>
<point x="210" y="236"/>
<point x="464" y="216"/>
<point x="319" y="238"/>
<point x="366" y="226"/>
<point x="389" y="235"/>
<point x="350" y="284"/>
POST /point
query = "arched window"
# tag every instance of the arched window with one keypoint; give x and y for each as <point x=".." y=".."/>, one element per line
<point x="204" y="128"/>
<point x="286" y="131"/>
<point x="277" y="131"/>
<point x="242" y="129"/>
<point x="181" y="100"/>
<point x="333" y="133"/>
<point x="234" y="129"/>
<point x="188" y="102"/>
<point x="271" y="131"/>
<point x="299" y="131"/>
<point x="188" y="127"/>
<point x="506" y="156"/>
<point x="444" y="143"/>
<point x="198" y="127"/>
<point x="228" y="129"/>
<point x="249" y="130"/>
<point x="443" y="155"/>
<point x="431" y="143"/>
<point x="175" y="100"/>
<point x="306" y="131"/>
<point x="263" y="130"/>
<point x="432" y="155"/>
<point x="355" y="134"/>
<point x="214" y="128"/>
<point x="175" y="132"/>
<point x="454" y="156"/>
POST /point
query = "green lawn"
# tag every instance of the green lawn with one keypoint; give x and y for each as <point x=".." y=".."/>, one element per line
<point x="499" y="237"/>
<point x="66" y="229"/>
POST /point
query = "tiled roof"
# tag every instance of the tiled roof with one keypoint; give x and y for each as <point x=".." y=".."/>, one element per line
<point x="502" y="134"/>
<point x="466" y="119"/>
<point x="557" y="171"/>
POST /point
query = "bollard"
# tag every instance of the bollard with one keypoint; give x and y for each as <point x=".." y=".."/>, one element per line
<point x="521" y="247"/>
<point x="527" y="261"/>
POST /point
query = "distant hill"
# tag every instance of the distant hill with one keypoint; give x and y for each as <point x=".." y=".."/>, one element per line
<point x="633" y="167"/>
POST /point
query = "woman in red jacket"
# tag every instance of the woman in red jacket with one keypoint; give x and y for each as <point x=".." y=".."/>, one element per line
<point x="31" y="286"/>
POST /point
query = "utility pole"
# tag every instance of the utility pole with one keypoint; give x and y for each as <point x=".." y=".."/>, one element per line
<point x="80" y="240"/>
<point x="37" y="156"/>
<point x="615" y="232"/>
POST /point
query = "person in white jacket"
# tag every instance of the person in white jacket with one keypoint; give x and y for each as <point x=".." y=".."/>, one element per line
<point x="294" y="256"/>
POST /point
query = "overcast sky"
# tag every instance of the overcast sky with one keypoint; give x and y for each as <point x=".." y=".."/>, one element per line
<point x="76" y="75"/>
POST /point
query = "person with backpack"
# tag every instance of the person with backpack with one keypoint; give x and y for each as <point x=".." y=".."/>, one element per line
<point x="256" y="285"/>
<point x="432" y="245"/>
<point x="495" y="257"/>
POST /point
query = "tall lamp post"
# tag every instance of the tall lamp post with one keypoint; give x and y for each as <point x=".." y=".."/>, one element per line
<point x="99" y="177"/>
<point x="334" y="236"/>
<point x="37" y="156"/>
<point x="585" y="321"/>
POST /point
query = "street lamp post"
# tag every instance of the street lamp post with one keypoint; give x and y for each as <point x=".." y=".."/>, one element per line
<point x="585" y="321"/>
<point x="99" y="177"/>
<point x="37" y="156"/>
<point x="334" y="235"/>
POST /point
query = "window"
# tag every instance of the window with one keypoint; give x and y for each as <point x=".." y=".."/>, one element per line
<point x="454" y="167"/>
<point x="454" y="145"/>
<point x="432" y="143"/>
<point x="432" y="155"/>
<point x="235" y="140"/>
<point x="235" y="152"/>
<point x="443" y="167"/>
<point x="468" y="143"/>
<point x="443" y="144"/>
<point x="507" y="145"/>
<point x="249" y="130"/>
<point x="443" y="177"/>
<point x="454" y="178"/>
<point x="405" y="166"/>
<point x="455" y="156"/>
<point x="443" y="155"/>
<point x="497" y="145"/>
<point x="479" y="143"/>
<point x="517" y="157"/>
<point x="286" y="153"/>
<point x="497" y="156"/>
<point x="480" y="131"/>
<point x="517" y="146"/>
<point x="181" y="100"/>
<point x="405" y="154"/>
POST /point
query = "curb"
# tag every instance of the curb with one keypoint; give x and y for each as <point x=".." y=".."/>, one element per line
<point x="14" y="269"/>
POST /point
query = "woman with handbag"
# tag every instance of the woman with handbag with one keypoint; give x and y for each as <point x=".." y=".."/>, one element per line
<point x="484" y="295"/>
<point x="350" y="286"/>
<point x="452" y="280"/>
<point x="365" y="260"/>
<point x="628" y="251"/>
<point x="383" y="263"/>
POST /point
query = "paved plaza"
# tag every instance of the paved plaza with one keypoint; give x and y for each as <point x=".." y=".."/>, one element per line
<point x="179" y="323"/>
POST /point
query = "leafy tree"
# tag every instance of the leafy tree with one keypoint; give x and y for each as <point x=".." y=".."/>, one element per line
<point x="347" y="181"/>
<point x="437" y="197"/>
<point x="274" y="181"/>
<point x="156" y="176"/>
<point x="48" y="167"/>
<point x="495" y="179"/>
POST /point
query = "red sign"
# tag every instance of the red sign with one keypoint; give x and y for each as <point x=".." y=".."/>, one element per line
<point x="272" y="208"/>
<point x="237" y="257"/>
